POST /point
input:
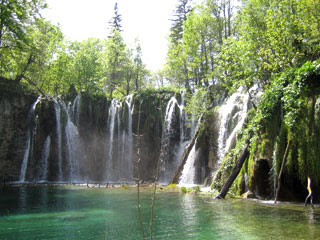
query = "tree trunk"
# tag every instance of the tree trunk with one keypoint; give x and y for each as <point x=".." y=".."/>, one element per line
<point x="235" y="171"/>
<point x="281" y="170"/>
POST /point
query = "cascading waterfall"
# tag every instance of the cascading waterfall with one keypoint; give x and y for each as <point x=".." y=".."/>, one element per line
<point x="274" y="169"/>
<point x="182" y="118"/>
<point x="60" y="141"/>
<point x="112" y="115"/>
<point x="232" y="116"/>
<point x="184" y="140"/>
<point x="117" y="170"/>
<point x="58" y="131"/>
<point x="188" y="174"/>
<point x="169" y="114"/>
<point x="165" y="169"/>
<point x="119" y="167"/>
<point x="127" y="164"/>
<point x="72" y="143"/>
<point x="76" y="110"/>
<point x="44" y="159"/>
<point x="31" y="129"/>
<point x="171" y="149"/>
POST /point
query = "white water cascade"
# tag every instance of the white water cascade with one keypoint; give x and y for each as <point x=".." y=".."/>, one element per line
<point x="58" y="131"/>
<point x="274" y="165"/>
<point x="127" y="142"/>
<point x="172" y="150"/>
<point x="183" y="118"/>
<point x="113" y="109"/>
<point x="164" y="174"/>
<point x="44" y="159"/>
<point x="73" y="147"/>
<point x="169" y="114"/>
<point x="31" y="130"/>
<point x="76" y="110"/>
<point x="188" y="173"/>
<point x="232" y="116"/>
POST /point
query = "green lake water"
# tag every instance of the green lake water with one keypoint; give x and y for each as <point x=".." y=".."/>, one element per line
<point x="81" y="213"/>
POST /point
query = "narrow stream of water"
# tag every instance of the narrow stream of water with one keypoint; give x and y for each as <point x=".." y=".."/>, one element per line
<point x="80" y="213"/>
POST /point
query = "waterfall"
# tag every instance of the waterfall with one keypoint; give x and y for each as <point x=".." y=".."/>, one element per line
<point x="182" y="118"/>
<point x="58" y="131"/>
<point x="170" y="114"/>
<point x="172" y="145"/>
<point x="31" y="130"/>
<point x="44" y="159"/>
<point x="76" y="110"/>
<point x="112" y="115"/>
<point x="119" y="166"/>
<point x="72" y="144"/>
<point x="232" y="116"/>
<point x="274" y="169"/>
<point x="166" y="145"/>
<point x="246" y="182"/>
<point x="127" y="164"/>
<point x="188" y="173"/>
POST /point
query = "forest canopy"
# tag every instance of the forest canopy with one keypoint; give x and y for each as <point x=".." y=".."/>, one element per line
<point x="214" y="43"/>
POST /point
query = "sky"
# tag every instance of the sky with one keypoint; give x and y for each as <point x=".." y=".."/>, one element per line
<point x="147" y="20"/>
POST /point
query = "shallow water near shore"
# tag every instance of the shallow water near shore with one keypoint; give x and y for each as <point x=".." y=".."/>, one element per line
<point x="73" y="212"/>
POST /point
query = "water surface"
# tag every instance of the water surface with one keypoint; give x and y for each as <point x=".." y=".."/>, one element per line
<point x="81" y="213"/>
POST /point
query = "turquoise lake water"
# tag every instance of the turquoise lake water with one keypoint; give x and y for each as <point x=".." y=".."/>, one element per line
<point x="70" y="212"/>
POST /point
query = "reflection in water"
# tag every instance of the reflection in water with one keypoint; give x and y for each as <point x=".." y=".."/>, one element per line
<point x="189" y="209"/>
<point x="81" y="213"/>
<point x="22" y="201"/>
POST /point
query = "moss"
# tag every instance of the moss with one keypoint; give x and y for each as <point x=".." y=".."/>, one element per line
<point x="172" y="186"/>
<point x="223" y="172"/>
<point x="196" y="189"/>
<point x="240" y="184"/>
<point x="10" y="89"/>
<point x="183" y="189"/>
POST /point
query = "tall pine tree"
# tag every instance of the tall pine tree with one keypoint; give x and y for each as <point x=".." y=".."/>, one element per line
<point x="115" y="54"/>
<point x="115" y="22"/>
<point x="183" y="8"/>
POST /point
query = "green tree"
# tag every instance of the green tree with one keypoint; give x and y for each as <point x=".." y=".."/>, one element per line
<point x="114" y="62"/>
<point x="192" y="60"/>
<point x="59" y="72"/>
<point x="272" y="36"/>
<point x="15" y="16"/>
<point x="114" y="59"/>
<point x="87" y="68"/>
<point x="139" y="69"/>
<point x="17" y="20"/>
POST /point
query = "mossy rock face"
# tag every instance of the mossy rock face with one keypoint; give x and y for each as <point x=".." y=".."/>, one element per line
<point x="153" y="107"/>
<point x="207" y="146"/>
<point x="15" y="103"/>
<point x="223" y="172"/>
